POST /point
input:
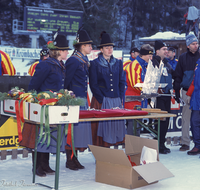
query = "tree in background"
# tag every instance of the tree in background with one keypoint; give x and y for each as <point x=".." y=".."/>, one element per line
<point x="124" y="20"/>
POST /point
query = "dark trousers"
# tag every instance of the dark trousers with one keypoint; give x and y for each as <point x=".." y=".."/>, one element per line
<point x="163" y="103"/>
<point x="130" y="127"/>
<point x="192" y="26"/>
<point x="195" y="127"/>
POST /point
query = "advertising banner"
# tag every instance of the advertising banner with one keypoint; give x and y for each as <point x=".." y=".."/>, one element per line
<point x="8" y="133"/>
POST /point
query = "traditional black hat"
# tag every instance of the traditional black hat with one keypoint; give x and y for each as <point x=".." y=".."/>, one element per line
<point x="105" y="40"/>
<point x="82" y="37"/>
<point x="59" y="43"/>
<point x="133" y="50"/>
<point x="159" y="44"/>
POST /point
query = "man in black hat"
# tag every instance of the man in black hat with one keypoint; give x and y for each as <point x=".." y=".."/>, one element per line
<point x="44" y="54"/>
<point x="171" y="57"/>
<point x="163" y="102"/>
<point x="134" y="53"/>
<point x="135" y="73"/>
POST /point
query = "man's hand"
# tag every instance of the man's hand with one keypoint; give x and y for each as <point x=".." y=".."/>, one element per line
<point x="188" y="100"/>
<point x="177" y="96"/>
<point x="160" y="91"/>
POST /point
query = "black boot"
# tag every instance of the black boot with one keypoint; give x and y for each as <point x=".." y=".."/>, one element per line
<point x="70" y="163"/>
<point x="39" y="170"/>
<point x="78" y="164"/>
<point x="45" y="164"/>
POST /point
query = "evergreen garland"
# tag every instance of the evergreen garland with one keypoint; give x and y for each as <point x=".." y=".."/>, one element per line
<point x="61" y="98"/>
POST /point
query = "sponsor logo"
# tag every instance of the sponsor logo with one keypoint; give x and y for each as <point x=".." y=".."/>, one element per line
<point x="9" y="141"/>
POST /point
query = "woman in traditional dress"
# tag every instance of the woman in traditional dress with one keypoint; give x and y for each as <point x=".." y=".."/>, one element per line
<point x="49" y="75"/>
<point x="76" y="80"/>
<point x="107" y="83"/>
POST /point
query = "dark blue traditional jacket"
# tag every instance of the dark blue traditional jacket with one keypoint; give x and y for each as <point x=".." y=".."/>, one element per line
<point x="76" y="74"/>
<point x="49" y="75"/>
<point x="106" y="79"/>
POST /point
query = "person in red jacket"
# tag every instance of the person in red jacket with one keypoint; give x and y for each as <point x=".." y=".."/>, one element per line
<point x="44" y="54"/>
<point x="135" y="73"/>
<point x="6" y="66"/>
<point x="134" y="53"/>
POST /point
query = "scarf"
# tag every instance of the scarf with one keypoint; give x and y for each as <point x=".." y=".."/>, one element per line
<point x="143" y="64"/>
<point x="132" y="58"/>
<point x="82" y="59"/>
<point x="103" y="62"/>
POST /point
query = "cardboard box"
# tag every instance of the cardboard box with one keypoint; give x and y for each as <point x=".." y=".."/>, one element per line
<point x="57" y="114"/>
<point x="8" y="108"/>
<point x="32" y="112"/>
<point x="114" y="168"/>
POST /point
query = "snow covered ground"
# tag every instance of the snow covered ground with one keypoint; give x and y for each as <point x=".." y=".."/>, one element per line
<point x="17" y="174"/>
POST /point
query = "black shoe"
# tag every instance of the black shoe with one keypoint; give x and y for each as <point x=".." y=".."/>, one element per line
<point x="167" y="149"/>
<point x="40" y="172"/>
<point x="48" y="170"/>
<point x="77" y="163"/>
<point x="184" y="147"/>
<point x="71" y="165"/>
<point x="194" y="151"/>
<point x="163" y="151"/>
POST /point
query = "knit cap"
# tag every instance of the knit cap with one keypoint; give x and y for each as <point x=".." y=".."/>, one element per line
<point x="159" y="44"/>
<point x="190" y="38"/>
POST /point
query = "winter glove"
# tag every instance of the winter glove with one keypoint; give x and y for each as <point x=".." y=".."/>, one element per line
<point x="177" y="96"/>
<point x="188" y="100"/>
<point x="160" y="91"/>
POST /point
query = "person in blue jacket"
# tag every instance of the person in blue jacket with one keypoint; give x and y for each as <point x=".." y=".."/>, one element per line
<point x="194" y="93"/>
<point x="163" y="102"/>
<point x="49" y="75"/>
<point x="171" y="57"/>
<point x="107" y="83"/>
<point x="76" y="80"/>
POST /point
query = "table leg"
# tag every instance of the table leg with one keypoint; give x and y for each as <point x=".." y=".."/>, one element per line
<point x="158" y="135"/>
<point x="57" y="157"/>
<point x="35" y="153"/>
<point x="135" y="127"/>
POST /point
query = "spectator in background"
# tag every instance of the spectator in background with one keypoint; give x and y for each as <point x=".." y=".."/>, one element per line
<point x="192" y="21"/>
<point x="171" y="57"/>
<point x="183" y="77"/>
<point x="134" y="53"/>
<point x="6" y="66"/>
<point x="44" y="54"/>
<point x="163" y="102"/>
<point x="194" y="91"/>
